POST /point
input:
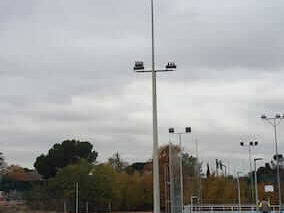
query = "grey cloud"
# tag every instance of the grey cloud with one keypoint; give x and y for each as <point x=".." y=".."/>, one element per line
<point x="65" y="72"/>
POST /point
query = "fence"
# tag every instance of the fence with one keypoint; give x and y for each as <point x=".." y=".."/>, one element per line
<point x="225" y="208"/>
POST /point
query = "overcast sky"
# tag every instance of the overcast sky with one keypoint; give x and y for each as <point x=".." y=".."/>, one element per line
<point x="66" y="72"/>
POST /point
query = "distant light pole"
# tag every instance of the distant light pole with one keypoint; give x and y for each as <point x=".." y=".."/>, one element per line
<point x="239" y="190"/>
<point x="250" y="144"/>
<point x="255" y="182"/>
<point x="77" y="197"/>
<point x="187" y="131"/>
<point x="139" y="67"/>
<point x="275" y="121"/>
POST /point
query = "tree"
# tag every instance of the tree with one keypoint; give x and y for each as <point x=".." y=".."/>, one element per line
<point x="208" y="171"/>
<point x="3" y="164"/>
<point x="117" y="163"/>
<point x="61" y="155"/>
<point x="16" y="173"/>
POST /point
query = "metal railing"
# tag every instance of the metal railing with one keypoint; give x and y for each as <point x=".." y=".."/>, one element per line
<point x="225" y="208"/>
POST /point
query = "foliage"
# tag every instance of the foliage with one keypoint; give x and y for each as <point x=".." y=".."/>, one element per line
<point x="136" y="167"/>
<point x="117" y="163"/>
<point x="99" y="185"/>
<point x="62" y="155"/>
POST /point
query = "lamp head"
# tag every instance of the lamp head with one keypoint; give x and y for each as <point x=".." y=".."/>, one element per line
<point x="139" y="65"/>
<point x="188" y="129"/>
<point x="171" y="65"/>
<point x="263" y="116"/>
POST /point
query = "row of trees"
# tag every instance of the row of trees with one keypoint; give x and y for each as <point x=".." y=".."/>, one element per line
<point x="114" y="184"/>
<point x="117" y="185"/>
<point x="101" y="186"/>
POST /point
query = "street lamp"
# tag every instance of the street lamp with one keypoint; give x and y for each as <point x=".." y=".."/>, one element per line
<point x="187" y="131"/>
<point x="274" y="121"/>
<point x="255" y="182"/>
<point x="249" y="145"/>
<point x="139" y="67"/>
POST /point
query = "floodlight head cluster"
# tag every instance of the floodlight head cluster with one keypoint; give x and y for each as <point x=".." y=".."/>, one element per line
<point x="277" y="116"/>
<point x="139" y="66"/>
<point x="251" y="143"/>
<point x="187" y="130"/>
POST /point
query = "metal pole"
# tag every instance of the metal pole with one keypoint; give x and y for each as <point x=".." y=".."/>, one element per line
<point x="166" y="187"/>
<point x="239" y="191"/>
<point x="191" y="205"/>
<point x="255" y="186"/>
<point x="251" y="175"/>
<point x="171" y="178"/>
<point x="198" y="173"/>
<point x="277" y="162"/>
<point x="87" y="207"/>
<point x="155" y="123"/>
<point x="64" y="206"/>
<point x="77" y="197"/>
<point x="181" y="175"/>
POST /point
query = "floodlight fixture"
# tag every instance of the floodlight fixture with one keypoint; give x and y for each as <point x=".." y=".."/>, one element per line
<point x="139" y="65"/>
<point x="263" y="116"/>
<point x="171" y="65"/>
<point x="188" y="129"/>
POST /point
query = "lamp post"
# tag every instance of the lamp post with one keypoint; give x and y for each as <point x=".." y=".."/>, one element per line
<point x="187" y="131"/>
<point x="239" y="190"/>
<point x="274" y="121"/>
<point x="139" y="67"/>
<point x="249" y="145"/>
<point x="255" y="182"/>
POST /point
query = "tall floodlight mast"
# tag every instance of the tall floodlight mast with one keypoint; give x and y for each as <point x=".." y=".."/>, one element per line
<point x="250" y="144"/>
<point x="139" y="67"/>
<point x="187" y="131"/>
<point x="274" y="121"/>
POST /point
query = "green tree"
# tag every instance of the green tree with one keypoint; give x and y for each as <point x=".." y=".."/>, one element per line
<point x="61" y="155"/>
<point x="117" y="163"/>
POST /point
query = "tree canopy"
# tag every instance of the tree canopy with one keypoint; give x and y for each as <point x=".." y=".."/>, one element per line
<point x="64" y="154"/>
